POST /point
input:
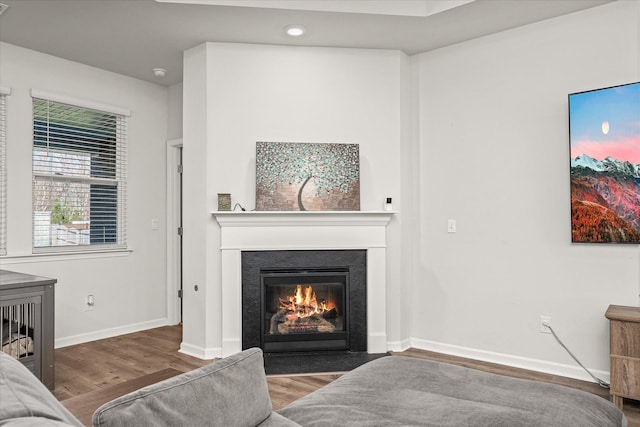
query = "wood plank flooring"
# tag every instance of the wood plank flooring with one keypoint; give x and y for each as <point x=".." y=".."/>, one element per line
<point x="90" y="374"/>
<point x="84" y="368"/>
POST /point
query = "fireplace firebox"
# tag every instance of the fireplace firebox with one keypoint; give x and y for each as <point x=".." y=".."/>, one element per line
<point x="304" y="301"/>
<point x="304" y="309"/>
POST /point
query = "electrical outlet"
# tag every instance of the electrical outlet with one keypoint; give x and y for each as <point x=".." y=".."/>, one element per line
<point x="89" y="303"/>
<point x="545" y="324"/>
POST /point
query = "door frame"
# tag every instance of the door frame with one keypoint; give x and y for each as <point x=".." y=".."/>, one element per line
<point x="174" y="273"/>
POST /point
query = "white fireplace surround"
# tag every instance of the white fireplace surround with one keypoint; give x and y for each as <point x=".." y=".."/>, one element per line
<point x="308" y="230"/>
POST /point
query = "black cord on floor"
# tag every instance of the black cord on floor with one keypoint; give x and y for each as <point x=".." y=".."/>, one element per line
<point x="598" y="380"/>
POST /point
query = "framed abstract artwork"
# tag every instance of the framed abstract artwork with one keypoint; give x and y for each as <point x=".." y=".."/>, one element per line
<point x="604" y="129"/>
<point x="297" y="176"/>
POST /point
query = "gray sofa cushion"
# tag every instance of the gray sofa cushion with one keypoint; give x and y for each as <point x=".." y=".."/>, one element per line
<point x="229" y="392"/>
<point x="277" y="420"/>
<point x="24" y="400"/>
<point x="403" y="391"/>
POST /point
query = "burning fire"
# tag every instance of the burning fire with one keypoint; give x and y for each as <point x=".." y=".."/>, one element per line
<point x="303" y="303"/>
<point x="303" y="313"/>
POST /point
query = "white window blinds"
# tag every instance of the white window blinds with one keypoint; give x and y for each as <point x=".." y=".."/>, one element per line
<point x="3" y="173"/>
<point x="79" y="177"/>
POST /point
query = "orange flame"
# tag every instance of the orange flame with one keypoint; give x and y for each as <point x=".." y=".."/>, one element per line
<point x="304" y="303"/>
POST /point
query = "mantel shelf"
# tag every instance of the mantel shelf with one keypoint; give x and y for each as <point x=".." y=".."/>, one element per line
<point x="302" y="218"/>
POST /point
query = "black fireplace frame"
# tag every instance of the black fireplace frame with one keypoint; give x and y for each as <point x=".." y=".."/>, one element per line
<point x="353" y="261"/>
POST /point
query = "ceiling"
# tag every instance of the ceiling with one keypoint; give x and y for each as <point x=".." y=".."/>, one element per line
<point x="132" y="37"/>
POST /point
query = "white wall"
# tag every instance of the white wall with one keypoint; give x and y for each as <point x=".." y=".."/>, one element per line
<point x="130" y="287"/>
<point x="174" y="124"/>
<point x="237" y="94"/>
<point x="494" y="155"/>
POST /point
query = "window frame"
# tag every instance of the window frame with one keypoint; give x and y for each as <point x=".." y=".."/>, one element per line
<point x="116" y="185"/>
<point x="4" y="94"/>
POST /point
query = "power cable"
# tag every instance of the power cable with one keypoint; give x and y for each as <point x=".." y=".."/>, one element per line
<point x="598" y="380"/>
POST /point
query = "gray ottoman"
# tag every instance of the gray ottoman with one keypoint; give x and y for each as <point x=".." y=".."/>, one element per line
<point x="404" y="391"/>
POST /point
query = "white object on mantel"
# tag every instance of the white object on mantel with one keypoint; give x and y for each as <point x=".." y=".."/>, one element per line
<point x="302" y="230"/>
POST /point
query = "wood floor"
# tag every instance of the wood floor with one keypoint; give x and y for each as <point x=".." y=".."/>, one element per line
<point x="88" y="375"/>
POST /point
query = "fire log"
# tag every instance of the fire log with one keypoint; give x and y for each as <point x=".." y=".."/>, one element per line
<point x="331" y="314"/>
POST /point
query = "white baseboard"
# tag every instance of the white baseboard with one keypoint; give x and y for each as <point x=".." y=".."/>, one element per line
<point x="569" y="371"/>
<point x="399" y="346"/>
<point x="111" y="332"/>
<point x="200" y="352"/>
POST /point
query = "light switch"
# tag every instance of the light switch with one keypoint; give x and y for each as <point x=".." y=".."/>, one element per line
<point x="451" y="226"/>
<point x="155" y="225"/>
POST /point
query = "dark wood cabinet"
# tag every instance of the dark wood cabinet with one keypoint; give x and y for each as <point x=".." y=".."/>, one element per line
<point x="625" y="353"/>
<point x="27" y="322"/>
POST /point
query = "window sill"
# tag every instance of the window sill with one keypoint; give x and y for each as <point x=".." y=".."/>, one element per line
<point x="65" y="256"/>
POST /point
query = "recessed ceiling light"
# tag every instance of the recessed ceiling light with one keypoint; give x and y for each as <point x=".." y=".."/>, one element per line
<point x="295" y="30"/>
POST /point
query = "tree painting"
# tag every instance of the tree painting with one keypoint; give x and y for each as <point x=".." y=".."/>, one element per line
<point x="307" y="176"/>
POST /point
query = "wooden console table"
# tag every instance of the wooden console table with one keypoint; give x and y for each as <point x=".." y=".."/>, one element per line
<point x="26" y="316"/>
<point x="625" y="353"/>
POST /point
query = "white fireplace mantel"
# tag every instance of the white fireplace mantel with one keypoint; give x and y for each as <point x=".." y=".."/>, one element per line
<point x="307" y="230"/>
<point x="298" y="218"/>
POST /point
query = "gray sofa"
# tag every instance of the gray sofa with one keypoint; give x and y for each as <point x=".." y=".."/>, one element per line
<point x="391" y="391"/>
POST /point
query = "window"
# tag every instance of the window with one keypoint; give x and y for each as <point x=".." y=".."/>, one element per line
<point x="79" y="177"/>
<point x="3" y="172"/>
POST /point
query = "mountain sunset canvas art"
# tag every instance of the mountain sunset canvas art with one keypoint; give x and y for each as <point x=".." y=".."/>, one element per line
<point x="604" y="128"/>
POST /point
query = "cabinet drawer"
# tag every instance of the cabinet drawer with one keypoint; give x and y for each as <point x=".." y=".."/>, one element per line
<point x="625" y="339"/>
<point x="625" y="377"/>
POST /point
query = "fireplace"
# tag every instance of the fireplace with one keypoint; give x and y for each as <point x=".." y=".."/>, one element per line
<point x="242" y="233"/>
<point x="304" y="301"/>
